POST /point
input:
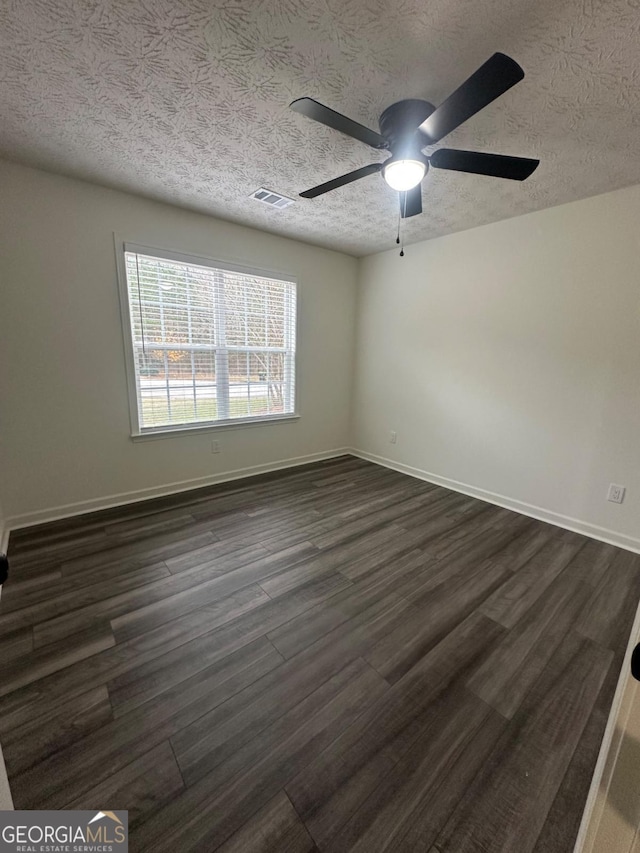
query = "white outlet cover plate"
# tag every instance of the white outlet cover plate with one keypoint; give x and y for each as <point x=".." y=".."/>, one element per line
<point x="616" y="493"/>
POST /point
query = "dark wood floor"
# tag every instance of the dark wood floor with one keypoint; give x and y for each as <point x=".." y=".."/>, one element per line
<point x="335" y="658"/>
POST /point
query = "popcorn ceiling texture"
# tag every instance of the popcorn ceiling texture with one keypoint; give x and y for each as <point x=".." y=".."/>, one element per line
<point x="186" y="101"/>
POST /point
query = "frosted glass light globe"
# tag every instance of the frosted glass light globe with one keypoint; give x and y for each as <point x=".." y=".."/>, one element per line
<point x="402" y="175"/>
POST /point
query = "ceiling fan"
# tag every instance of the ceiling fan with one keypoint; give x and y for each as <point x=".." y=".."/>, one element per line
<point x="409" y="126"/>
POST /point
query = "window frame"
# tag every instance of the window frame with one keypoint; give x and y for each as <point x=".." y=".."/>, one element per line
<point x="170" y="430"/>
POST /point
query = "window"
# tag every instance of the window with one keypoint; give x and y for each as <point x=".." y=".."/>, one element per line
<point x="206" y="344"/>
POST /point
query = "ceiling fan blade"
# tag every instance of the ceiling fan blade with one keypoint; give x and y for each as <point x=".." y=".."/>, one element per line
<point x="411" y="202"/>
<point x="318" y="112"/>
<point x="342" y="180"/>
<point x="494" y="165"/>
<point x="496" y="76"/>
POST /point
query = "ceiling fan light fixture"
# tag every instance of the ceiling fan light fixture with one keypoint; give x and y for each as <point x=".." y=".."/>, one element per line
<point x="402" y="175"/>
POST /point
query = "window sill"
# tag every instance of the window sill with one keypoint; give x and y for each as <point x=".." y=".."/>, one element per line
<point x="182" y="431"/>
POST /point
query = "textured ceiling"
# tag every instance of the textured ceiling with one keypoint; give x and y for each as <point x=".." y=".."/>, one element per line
<point x="186" y="101"/>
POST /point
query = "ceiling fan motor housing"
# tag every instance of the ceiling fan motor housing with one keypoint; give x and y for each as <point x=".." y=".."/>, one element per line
<point x="399" y="123"/>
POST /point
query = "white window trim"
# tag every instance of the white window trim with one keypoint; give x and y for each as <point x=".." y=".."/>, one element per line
<point x="169" y="431"/>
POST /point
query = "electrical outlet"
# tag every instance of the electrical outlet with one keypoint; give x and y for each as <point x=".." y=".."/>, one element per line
<point x="393" y="437"/>
<point x="215" y="447"/>
<point x="616" y="493"/>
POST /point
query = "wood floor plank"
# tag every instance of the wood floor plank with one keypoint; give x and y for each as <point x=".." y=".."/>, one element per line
<point x="35" y="665"/>
<point x="480" y="550"/>
<point x="401" y="805"/>
<point x="37" y="739"/>
<point x="32" y="543"/>
<point x="37" y="699"/>
<point x="220" y="558"/>
<point x="525" y="546"/>
<point x="304" y="630"/>
<point x="464" y="648"/>
<point x="47" y="557"/>
<point x="395" y="574"/>
<point x="149" y="550"/>
<point x="382" y="497"/>
<point x="216" y="736"/>
<point x="482" y="527"/>
<point x="440" y="799"/>
<point x="142" y="787"/>
<point x="176" y="593"/>
<point x="20" y="593"/>
<point x="17" y="645"/>
<point x="433" y="617"/>
<point x="358" y="635"/>
<point x="331" y="788"/>
<point x="324" y="563"/>
<point x="275" y="828"/>
<point x="524" y="651"/>
<point x="372" y="521"/>
<point x="206" y="555"/>
<point x="116" y="571"/>
<point x="64" y="599"/>
<point x="225" y="632"/>
<point x="385" y="553"/>
<point x="613" y="602"/>
<point x="564" y="817"/>
<point x="278" y="540"/>
<point x="142" y="683"/>
<point x="245" y="535"/>
<point x="211" y="810"/>
<point x="139" y="621"/>
<point x="334" y="657"/>
<point x="171" y="597"/>
<point x="67" y="773"/>
<point x="591" y="563"/>
<point x="506" y="807"/>
<point x="436" y="519"/>
<point x="131" y="529"/>
<point x="514" y="598"/>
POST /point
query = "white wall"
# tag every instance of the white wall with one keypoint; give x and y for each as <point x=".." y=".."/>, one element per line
<point x="507" y="358"/>
<point x="64" y="416"/>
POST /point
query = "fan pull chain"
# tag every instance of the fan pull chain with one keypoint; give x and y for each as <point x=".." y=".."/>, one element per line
<point x="400" y="237"/>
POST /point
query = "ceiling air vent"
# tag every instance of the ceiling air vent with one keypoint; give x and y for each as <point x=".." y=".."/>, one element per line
<point x="271" y="198"/>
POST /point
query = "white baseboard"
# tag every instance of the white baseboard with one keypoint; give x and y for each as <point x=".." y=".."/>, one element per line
<point x="603" y="534"/>
<point x="108" y="502"/>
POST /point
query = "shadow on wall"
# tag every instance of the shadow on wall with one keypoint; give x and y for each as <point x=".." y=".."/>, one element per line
<point x="624" y="792"/>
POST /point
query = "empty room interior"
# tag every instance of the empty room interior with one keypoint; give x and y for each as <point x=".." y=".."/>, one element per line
<point x="319" y="426"/>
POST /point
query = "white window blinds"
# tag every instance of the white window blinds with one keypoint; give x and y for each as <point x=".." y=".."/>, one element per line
<point x="209" y="344"/>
